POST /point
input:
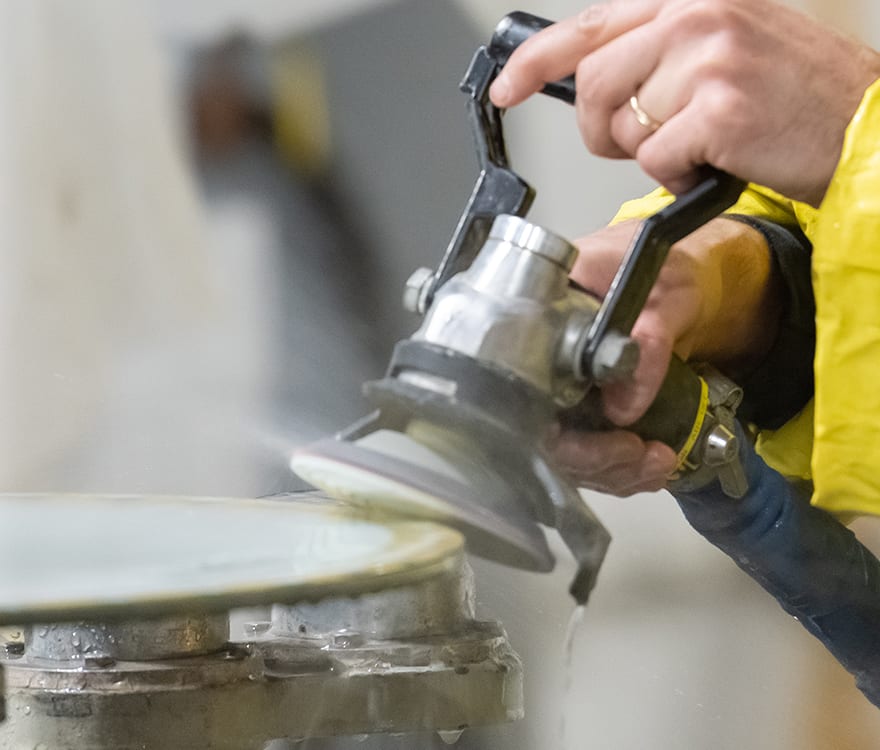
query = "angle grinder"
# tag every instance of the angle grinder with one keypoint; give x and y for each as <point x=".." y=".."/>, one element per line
<point x="508" y="347"/>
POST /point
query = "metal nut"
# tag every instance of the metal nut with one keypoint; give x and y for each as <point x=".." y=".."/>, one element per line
<point x="13" y="649"/>
<point x="415" y="292"/>
<point x="721" y="446"/>
<point x="616" y="358"/>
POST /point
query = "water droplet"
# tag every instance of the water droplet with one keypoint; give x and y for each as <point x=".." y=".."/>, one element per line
<point x="257" y="628"/>
<point x="450" y="737"/>
<point x="27" y="710"/>
<point x="348" y="639"/>
<point x="574" y="621"/>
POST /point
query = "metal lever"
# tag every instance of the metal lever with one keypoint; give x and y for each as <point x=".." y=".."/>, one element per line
<point x="499" y="190"/>
<point x="637" y="273"/>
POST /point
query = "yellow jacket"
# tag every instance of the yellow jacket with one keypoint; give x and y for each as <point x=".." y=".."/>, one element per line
<point x="836" y="439"/>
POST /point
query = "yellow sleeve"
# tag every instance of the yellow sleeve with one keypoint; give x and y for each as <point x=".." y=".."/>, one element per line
<point x="846" y="280"/>
<point x="755" y="200"/>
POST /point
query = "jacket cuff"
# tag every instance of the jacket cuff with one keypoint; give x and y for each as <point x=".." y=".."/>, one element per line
<point x="782" y="384"/>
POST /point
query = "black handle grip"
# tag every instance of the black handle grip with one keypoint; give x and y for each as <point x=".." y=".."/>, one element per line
<point x="675" y="416"/>
<point x="512" y="31"/>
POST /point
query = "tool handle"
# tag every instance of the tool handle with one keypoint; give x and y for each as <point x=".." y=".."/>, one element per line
<point x="675" y="417"/>
<point x="512" y="31"/>
<point x="622" y="305"/>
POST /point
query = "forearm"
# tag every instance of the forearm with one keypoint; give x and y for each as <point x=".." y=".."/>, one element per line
<point x="745" y="296"/>
<point x="810" y="562"/>
<point x="758" y="310"/>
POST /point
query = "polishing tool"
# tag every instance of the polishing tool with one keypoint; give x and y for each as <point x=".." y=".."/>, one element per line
<point x="507" y="349"/>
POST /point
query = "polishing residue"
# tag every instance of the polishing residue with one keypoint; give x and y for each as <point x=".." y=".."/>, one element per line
<point x="450" y="737"/>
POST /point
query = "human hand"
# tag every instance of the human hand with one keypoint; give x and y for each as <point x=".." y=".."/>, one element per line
<point x="715" y="300"/>
<point x="618" y="462"/>
<point x="751" y="87"/>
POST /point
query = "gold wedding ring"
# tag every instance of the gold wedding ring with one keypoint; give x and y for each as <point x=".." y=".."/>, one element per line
<point x="643" y="118"/>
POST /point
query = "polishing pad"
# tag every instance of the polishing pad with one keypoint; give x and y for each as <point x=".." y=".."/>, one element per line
<point x="429" y="473"/>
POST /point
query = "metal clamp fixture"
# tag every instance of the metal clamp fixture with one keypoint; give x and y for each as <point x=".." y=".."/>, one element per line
<point x="404" y="659"/>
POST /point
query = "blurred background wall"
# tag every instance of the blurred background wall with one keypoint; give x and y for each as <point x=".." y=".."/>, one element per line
<point x="207" y="212"/>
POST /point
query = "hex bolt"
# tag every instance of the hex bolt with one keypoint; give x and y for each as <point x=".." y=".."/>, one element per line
<point x="13" y="649"/>
<point x="721" y="446"/>
<point x="615" y="358"/>
<point x="416" y="290"/>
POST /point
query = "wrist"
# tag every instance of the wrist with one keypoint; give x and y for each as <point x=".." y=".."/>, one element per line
<point x="742" y="300"/>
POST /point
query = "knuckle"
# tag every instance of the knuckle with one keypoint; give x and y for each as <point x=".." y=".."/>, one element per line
<point x="589" y="132"/>
<point x="726" y="112"/>
<point x="628" y="413"/>
<point x="591" y="82"/>
<point x="594" y="112"/>
<point x="707" y="17"/>
<point x="529" y="55"/>
<point x="593" y="18"/>
<point x="620" y="134"/>
<point x="722" y="54"/>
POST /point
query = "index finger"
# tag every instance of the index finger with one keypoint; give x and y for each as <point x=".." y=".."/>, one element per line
<point x="554" y="52"/>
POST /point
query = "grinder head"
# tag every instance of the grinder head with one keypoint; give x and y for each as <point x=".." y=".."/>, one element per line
<point x="457" y="439"/>
<point x="461" y="413"/>
<point x="428" y="471"/>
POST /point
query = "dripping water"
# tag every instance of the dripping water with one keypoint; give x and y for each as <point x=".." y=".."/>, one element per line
<point x="450" y="737"/>
<point x="574" y="621"/>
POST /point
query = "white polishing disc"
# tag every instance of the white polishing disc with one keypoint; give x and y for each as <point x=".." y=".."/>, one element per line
<point x="430" y="478"/>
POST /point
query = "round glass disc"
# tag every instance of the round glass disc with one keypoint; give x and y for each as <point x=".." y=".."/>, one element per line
<point x="66" y="557"/>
